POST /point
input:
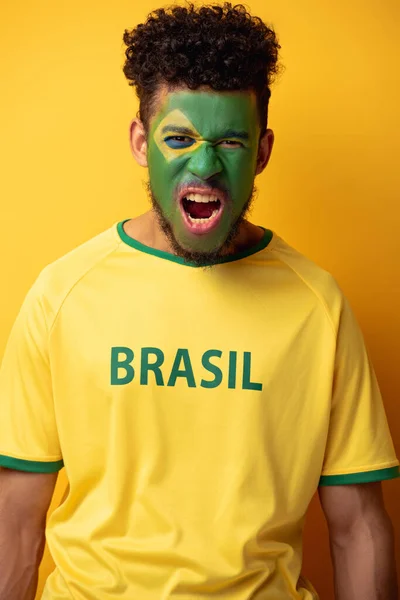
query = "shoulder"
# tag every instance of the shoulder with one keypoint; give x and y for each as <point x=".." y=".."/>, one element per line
<point x="58" y="278"/>
<point x="309" y="274"/>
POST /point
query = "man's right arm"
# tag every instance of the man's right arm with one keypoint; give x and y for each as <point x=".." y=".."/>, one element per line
<point x="24" y="501"/>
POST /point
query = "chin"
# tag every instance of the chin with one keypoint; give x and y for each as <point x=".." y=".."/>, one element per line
<point x="197" y="253"/>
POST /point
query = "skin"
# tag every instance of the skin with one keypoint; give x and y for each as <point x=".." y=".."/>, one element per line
<point x="24" y="501"/>
<point x="210" y="156"/>
<point x="362" y="544"/>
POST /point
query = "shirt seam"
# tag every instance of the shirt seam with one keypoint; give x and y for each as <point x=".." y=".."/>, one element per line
<point x="363" y="469"/>
<point x="72" y="287"/>
<point x="12" y="455"/>
<point x="268" y="248"/>
<point x="317" y="295"/>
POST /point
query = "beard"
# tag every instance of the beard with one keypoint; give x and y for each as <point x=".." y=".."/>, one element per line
<point x="201" y="259"/>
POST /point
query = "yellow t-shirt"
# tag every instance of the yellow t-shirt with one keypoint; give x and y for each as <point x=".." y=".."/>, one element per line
<point x="195" y="411"/>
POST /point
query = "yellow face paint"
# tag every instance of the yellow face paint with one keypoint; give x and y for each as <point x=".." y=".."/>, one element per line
<point x="174" y="120"/>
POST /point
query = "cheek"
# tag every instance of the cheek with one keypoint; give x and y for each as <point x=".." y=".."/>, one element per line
<point x="160" y="166"/>
<point x="159" y="172"/>
<point x="241" y="172"/>
<point x="164" y="178"/>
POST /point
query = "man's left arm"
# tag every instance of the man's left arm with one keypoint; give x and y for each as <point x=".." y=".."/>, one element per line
<point x="361" y="541"/>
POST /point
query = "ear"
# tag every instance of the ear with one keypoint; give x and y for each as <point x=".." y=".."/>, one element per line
<point x="138" y="142"/>
<point x="264" y="150"/>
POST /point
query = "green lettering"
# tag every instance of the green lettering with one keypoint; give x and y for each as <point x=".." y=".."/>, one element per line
<point x="247" y="384"/>
<point x="187" y="371"/>
<point x="205" y="361"/>
<point x="146" y="366"/>
<point x="232" y="370"/>
<point x="117" y="363"/>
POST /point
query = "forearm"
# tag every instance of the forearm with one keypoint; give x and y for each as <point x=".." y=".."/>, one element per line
<point x="364" y="563"/>
<point x="21" y="550"/>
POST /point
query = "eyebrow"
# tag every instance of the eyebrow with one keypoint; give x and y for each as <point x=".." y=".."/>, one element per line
<point x="178" y="129"/>
<point x="231" y="133"/>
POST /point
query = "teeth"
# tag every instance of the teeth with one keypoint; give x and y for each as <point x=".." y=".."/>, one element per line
<point x="201" y="197"/>
<point x="193" y="220"/>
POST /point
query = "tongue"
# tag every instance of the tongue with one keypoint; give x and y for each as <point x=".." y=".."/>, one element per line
<point x="200" y="210"/>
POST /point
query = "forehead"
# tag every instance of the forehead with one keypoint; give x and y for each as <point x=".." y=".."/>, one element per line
<point x="210" y="112"/>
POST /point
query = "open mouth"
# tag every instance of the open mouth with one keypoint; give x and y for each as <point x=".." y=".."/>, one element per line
<point x="201" y="212"/>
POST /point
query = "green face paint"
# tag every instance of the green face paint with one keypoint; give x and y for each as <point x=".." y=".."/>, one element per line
<point x="206" y="139"/>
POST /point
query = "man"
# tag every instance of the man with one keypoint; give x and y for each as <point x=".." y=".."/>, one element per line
<point x="198" y="378"/>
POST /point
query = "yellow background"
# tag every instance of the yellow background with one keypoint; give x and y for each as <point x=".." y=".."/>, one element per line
<point x="331" y="189"/>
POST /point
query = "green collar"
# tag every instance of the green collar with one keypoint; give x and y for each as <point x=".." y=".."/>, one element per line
<point x="263" y="243"/>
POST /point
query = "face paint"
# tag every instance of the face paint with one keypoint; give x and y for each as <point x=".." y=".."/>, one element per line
<point x="207" y="141"/>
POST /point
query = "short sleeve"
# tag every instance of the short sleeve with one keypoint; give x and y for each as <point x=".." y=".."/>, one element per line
<point x="28" y="431"/>
<point x="359" y="446"/>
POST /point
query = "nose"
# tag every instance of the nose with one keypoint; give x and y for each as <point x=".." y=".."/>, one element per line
<point x="204" y="163"/>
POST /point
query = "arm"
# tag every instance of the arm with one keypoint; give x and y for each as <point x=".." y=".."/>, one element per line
<point x="24" y="501"/>
<point x="361" y="542"/>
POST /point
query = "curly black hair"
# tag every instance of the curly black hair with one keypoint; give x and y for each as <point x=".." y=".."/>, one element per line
<point x="219" y="46"/>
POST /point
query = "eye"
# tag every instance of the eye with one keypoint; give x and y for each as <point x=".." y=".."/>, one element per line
<point x="179" y="141"/>
<point x="232" y="143"/>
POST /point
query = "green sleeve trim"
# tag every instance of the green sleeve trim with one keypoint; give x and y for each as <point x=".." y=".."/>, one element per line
<point x="31" y="466"/>
<point x="367" y="477"/>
